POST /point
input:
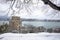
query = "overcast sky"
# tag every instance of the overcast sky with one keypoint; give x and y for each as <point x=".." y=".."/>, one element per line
<point x="41" y="11"/>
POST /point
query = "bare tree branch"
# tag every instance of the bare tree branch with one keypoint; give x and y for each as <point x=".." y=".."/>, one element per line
<point x="51" y="5"/>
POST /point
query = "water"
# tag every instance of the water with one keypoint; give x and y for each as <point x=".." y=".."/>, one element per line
<point x="44" y="24"/>
<point x="37" y="23"/>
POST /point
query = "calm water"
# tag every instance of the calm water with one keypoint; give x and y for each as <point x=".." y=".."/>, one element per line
<point x="37" y="23"/>
<point x="45" y="24"/>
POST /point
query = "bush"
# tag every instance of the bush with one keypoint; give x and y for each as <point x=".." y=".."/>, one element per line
<point x="50" y="30"/>
<point x="3" y="28"/>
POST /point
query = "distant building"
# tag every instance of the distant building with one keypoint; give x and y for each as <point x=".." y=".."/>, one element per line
<point x="15" y="24"/>
<point x="56" y="30"/>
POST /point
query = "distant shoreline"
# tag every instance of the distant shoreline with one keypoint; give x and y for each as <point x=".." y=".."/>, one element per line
<point x="45" y="20"/>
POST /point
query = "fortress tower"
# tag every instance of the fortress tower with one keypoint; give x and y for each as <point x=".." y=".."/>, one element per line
<point x="15" y="24"/>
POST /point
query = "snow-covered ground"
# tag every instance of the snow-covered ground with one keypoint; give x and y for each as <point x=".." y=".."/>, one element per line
<point x="30" y="36"/>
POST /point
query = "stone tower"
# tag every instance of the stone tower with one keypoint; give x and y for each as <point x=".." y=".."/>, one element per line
<point x="15" y="24"/>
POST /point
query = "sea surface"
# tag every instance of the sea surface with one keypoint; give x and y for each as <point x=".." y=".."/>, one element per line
<point x="37" y="23"/>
